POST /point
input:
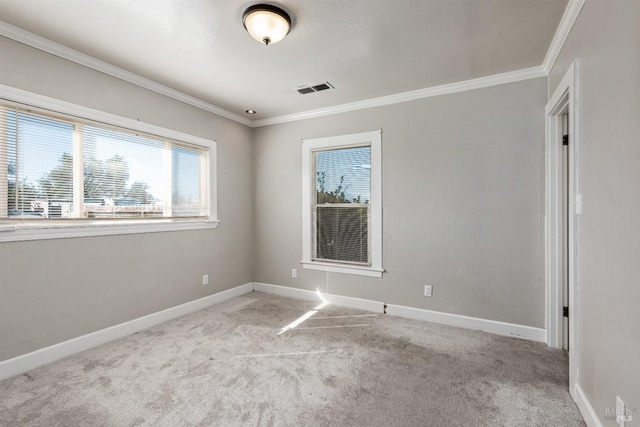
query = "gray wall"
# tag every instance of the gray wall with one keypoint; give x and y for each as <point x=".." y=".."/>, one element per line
<point x="54" y="290"/>
<point x="463" y="191"/>
<point x="606" y="43"/>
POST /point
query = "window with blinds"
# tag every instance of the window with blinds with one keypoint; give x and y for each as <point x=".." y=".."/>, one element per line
<point x="342" y="204"/>
<point x="55" y="167"/>
<point x="341" y="209"/>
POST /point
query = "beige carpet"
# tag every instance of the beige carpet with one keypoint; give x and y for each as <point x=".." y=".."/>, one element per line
<point x="236" y="364"/>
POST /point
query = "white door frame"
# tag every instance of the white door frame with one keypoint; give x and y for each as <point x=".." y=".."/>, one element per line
<point x="561" y="102"/>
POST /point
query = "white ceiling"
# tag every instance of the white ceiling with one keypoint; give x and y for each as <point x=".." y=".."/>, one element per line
<point x="365" y="48"/>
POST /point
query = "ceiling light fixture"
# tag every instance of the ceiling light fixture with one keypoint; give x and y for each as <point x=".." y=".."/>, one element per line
<point x="266" y="23"/>
<point x="250" y="111"/>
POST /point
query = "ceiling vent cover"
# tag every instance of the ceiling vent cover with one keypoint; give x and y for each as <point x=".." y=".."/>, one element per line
<point x="303" y="90"/>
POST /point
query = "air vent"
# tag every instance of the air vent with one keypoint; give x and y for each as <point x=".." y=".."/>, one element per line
<point x="322" y="86"/>
<point x="303" y="90"/>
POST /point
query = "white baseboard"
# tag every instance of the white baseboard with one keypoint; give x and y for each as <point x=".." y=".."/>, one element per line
<point x="475" y="323"/>
<point x="285" y="291"/>
<point x="492" y="326"/>
<point x="26" y="362"/>
<point x="587" y="411"/>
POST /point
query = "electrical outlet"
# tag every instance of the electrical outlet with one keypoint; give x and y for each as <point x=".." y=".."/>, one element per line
<point x="205" y="279"/>
<point x="428" y="290"/>
<point x="294" y="272"/>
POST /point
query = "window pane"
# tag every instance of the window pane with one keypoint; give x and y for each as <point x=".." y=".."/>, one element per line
<point x="116" y="172"/>
<point x="123" y="174"/>
<point x="185" y="185"/>
<point x="342" y="233"/>
<point x="343" y="175"/>
<point x="39" y="166"/>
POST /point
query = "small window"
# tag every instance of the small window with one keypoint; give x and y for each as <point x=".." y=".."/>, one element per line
<point x="59" y="170"/>
<point x="342" y="204"/>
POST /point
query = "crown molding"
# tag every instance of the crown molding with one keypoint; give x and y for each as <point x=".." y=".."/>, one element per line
<point x="564" y="28"/>
<point x="463" y="86"/>
<point x="46" y="45"/>
<point x="566" y="23"/>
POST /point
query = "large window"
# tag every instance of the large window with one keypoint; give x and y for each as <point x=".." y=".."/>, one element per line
<point x="59" y="171"/>
<point x="342" y="224"/>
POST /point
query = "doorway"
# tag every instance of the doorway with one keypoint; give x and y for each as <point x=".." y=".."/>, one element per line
<point x="563" y="203"/>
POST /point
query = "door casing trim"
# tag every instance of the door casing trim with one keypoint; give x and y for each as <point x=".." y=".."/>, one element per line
<point x="563" y="100"/>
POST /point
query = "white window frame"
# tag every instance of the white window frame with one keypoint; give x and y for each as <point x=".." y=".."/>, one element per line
<point x="374" y="139"/>
<point x="39" y="230"/>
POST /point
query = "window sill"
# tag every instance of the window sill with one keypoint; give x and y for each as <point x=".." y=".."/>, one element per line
<point x="340" y="268"/>
<point x="41" y="231"/>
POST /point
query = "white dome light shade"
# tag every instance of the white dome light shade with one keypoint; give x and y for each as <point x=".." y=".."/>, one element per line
<point x="266" y="23"/>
